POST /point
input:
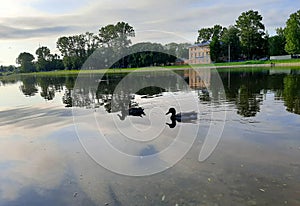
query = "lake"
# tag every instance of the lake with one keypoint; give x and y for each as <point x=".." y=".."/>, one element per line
<point x="74" y="141"/>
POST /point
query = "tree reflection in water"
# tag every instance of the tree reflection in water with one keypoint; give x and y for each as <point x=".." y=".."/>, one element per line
<point x="29" y="87"/>
<point x="291" y="93"/>
<point x="245" y="89"/>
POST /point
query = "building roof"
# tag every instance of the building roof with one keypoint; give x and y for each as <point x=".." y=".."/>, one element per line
<point x="206" y="43"/>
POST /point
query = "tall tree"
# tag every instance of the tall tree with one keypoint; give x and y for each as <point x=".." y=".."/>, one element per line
<point x="47" y="61"/>
<point x="292" y="33"/>
<point x="63" y="45"/>
<point x="25" y="60"/>
<point x="215" y="49"/>
<point x="43" y="55"/>
<point x="216" y="52"/>
<point x="43" y="52"/>
<point x="231" y="43"/>
<point x="251" y="32"/>
<point x="76" y="49"/>
<point x="277" y="43"/>
<point x="116" y="35"/>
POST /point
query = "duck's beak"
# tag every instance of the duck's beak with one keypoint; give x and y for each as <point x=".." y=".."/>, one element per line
<point x="167" y="113"/>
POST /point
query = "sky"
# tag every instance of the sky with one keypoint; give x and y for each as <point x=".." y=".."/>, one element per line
<point x="26" y="24"/>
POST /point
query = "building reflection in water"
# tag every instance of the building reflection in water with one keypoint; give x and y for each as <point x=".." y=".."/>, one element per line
<point x="199" y="78"/>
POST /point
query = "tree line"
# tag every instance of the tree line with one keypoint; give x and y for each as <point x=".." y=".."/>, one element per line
<point x="114" y="39"/>
<point x="247" y="39"/>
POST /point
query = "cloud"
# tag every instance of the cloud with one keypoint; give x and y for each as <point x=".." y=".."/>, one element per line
<point x="34" y="18"/>
<point x="7" y="32"/>
<point x="164" y="15"/>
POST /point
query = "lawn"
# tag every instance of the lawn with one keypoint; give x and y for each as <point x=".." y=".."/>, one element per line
<point x="118" y="70"/>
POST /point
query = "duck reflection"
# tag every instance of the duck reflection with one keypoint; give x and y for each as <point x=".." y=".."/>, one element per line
<point x="184" y="117"/>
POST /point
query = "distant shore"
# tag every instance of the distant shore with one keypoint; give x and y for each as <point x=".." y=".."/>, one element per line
<point x="228" y="65"/>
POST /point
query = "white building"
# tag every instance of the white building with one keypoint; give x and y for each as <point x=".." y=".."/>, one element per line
<point x="199" y="53"/>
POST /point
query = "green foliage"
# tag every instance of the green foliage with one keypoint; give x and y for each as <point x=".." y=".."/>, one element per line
<point x="217" y="31"/>
<point x="251" y="32"/>
<point x="179" y="50"/>
<point x="43" y="52"/>
<point x="277" y="43"/>
<point x="204" y="35"/>
<point x="25" y="60"/>
<point x="147" y="54"/>
<point x="9" y="68"/>
<point x="231" y="41"/>
<point x="76" y="49"/>
<point x="214" y="35"/>
<point x="116" y="35"/>
<point x="292" y="34"/>
<point x="291" y="93"/>
<point x="215" y="49"/>
<point x="47" y="61"/>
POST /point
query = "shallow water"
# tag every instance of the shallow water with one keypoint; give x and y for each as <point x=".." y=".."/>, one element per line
<point x="46" y="127"/>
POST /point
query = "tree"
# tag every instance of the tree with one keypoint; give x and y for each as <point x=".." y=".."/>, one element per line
<point x="43" y="55"/>
<point x="179" y="50"/>
<point x="251" y="32"/>
<point x="116" y="35"/>
<point x="47" y="61"/>
<point x="63" y="45"/>
<point x="76" y="49"/>
<point x="149" y="54"/>
<point x="215" y="49"/>
<point x="55" y="63"/>
<point x="216" y="52"/>
<point x="231" y="41"/>
<point x="25" y="60"/>
<point x="204" y="35"/>
<point x="292" y="33"/>
<point x="91" y="42"/>
<point x="277" y="43"/>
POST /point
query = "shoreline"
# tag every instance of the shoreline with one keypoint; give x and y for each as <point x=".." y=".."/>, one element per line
<point x="151" y="69"/>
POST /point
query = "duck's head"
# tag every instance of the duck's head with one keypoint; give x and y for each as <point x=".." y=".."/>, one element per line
<point x="171" y="111"/>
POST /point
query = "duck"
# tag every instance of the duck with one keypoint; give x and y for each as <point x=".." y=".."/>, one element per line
<point x="134" y="111"/>
<point x="182" y="117"/>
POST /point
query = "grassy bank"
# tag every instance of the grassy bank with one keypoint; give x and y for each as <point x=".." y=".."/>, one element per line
<point x="243" y="63"/>
<point x="236" y="65"/>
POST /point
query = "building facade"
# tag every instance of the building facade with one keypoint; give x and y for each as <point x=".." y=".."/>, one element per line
<point x="199" y="53"/>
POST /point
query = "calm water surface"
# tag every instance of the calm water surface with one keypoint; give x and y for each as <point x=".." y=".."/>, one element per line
<point x="256" y="161"/>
